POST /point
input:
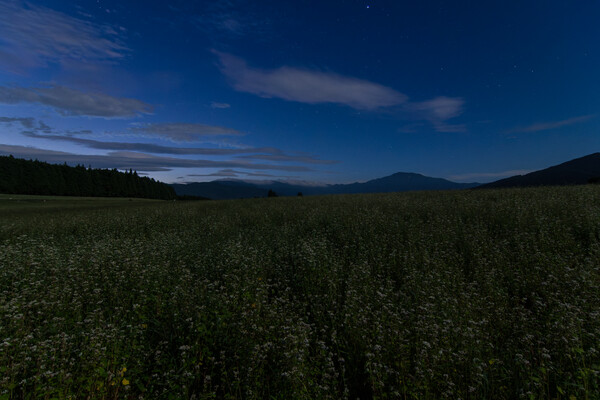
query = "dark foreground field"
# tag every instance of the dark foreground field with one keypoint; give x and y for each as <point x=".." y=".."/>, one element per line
<point x="473" y="294"/>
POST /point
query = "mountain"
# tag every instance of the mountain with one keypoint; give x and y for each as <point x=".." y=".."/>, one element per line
<point x="400" y="182"/>
<point x="219" y="190"/>
<point x="575" y="172"/>
<point x="235" y="189"/>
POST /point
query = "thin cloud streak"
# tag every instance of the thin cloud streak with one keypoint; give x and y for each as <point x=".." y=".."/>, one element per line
<point x="545" y="126"/>
<point x="224" y="173"/>
<point x="183" y="132"/>
<point x="149" y="147"/>
<point x="138" y="161"/>
<point x="214" y="104"/>
<point x="265" y="153"/>
<point x="71" y="102"/>
<point x="284" y="157"/>
<point x="232" y="173"/>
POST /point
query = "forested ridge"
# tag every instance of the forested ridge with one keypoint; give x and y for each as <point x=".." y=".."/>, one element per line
<point x="19" y="176"/>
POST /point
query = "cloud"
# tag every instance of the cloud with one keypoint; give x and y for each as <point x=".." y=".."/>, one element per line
<point x="225" y="173"/>
<point x="478" y="175"/>
<point x="149" y="147"/>
<point x="544" y="126"/>
<point x="223" y="23"/>
<point x="411" y="128"/>
<point x="285" y="157"/>
<point x="138" y="161"/>
<point x="255" y="153"/>
<point x="259" y="174"/>
<point x="28" y="122"/>
<point x="231" y="173"/>
<point x="219" y="105"/>
<point x="79" y="132"/>
<point x="34" y="36"/>
<point x="438" y="110"/>
<point x="314" y="87"/>
<point x="183" y="132"/>
<point x="229" y="18"/>
<point x="307" y="86"/>
<point x="71" y="102"/>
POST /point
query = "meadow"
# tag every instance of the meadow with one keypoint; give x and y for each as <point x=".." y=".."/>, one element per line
<point x="479" y="294"/>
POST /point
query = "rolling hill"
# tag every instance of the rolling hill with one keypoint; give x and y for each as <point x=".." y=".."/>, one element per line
<point x="575" y="172"/>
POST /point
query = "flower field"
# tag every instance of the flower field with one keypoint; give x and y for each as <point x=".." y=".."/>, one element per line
<point x="482" y="294"/>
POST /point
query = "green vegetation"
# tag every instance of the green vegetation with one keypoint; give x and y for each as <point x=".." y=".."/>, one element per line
<point x="488" y="294"/>
<point x="40" y="178"/>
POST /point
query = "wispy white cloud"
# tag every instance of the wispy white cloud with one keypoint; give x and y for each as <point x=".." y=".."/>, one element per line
<point x="215" y="104"/>
<point x="489" y="175"/>
<point x="306" y="86"/>
<point x="33" y="36"/>
<point x="545" y="126"/>
<point x="438" y="110"/>
<point x="314" y="87"/>
<point x="71" y="102"/>
<point x="183" y="132"/>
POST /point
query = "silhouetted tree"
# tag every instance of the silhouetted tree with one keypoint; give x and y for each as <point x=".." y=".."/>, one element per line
<point x="271" y="193"/>
<point x="20" y="176"/>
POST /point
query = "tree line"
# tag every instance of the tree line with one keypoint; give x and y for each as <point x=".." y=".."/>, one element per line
<point x="19" y="176"/>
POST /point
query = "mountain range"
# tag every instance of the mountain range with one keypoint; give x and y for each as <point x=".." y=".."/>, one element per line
<point x="578" y="171"/>
<point x="235" y="189"/>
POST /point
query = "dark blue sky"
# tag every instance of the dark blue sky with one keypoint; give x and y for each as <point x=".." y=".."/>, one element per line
<point x="328" y="91"/>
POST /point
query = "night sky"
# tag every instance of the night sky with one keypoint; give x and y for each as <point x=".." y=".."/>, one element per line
<point x="314" y="91"/>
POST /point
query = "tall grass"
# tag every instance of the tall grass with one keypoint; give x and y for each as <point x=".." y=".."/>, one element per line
<point x="473" y="294"/>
